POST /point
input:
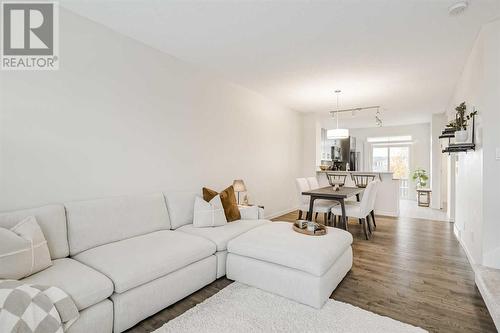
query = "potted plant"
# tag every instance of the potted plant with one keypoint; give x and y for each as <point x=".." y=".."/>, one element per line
<point x="420" y="177"/>
<point x="460" y="123"/>
<point x="452" y="125"/>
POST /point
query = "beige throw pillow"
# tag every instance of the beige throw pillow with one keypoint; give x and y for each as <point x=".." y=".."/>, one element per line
<point x="23" y="250"/>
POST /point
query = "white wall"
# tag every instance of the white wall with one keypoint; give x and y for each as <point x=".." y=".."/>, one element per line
<point x="438" y="178"/>
<point x="419" y="151"/>
<point x="478" y="176"/>
<point x="122" y="118"/>
<point x="451" y="173"/>
<point x="311" y="146"/>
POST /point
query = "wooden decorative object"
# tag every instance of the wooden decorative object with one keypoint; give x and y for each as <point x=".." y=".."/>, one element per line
<point x="320" y="230"/>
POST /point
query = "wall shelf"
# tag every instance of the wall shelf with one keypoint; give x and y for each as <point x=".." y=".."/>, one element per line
<point x="459" y="147"/>
<point x="447" y="136"/>
<point x="449" y="133"/>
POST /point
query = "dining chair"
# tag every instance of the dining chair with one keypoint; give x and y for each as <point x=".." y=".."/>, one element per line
<point x="377" y="184"/>
<point x="373" y="198"/>
<point x="361" y="210"/>
<point x="313" y="183"/>
<point x="320" y="206"/>
<point x="362" y="180"/>
<point x="336" y="179"/>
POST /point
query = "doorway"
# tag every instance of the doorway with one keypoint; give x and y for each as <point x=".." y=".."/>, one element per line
<point x="396" y="159"/>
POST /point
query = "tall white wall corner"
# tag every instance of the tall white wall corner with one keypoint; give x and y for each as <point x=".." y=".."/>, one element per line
<point x="437" y="125"/>
<point x="492" y="258"/>
<point x="450" y="183"/>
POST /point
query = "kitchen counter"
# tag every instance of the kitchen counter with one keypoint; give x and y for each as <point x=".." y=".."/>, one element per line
<point x="387" y="202"/>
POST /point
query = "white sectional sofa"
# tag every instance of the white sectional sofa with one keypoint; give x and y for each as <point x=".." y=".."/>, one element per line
<point x="180" y="207"/>
<point x="123" y="259"/>
<point x="89" y="289"/>
<point x="306" y="269"/>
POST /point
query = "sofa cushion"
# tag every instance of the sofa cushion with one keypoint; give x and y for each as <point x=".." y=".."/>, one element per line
<point x="180" y="207"/>
<point x="96" y="222"/>
<point x="277" y="243"/>
<point x="52" y="221"/>
<point x="138" y="260"/>
<point x="85" y="285"/>
<point x="220" y="236"/>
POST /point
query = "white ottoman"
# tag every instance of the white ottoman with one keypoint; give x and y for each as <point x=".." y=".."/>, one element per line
<point x="277" y="259"/>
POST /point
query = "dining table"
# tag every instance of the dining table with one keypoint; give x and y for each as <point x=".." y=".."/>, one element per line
<point x="330" y="193"/>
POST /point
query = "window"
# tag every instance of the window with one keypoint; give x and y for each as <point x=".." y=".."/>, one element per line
<point x="380" y="159"/>
<point x="399" y="161"/>
<point x="394" y="158"/>
<point x="386" y="139"/>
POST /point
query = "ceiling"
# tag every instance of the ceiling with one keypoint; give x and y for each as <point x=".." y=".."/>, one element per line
<point x="405" y="55"/>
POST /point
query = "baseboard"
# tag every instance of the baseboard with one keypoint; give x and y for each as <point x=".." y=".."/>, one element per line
<point x="457" y="234"/>
<point x="283" y="212"/>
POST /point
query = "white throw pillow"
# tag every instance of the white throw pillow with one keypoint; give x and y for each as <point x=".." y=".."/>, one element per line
<point x="23" y="250"/>
<point x="208" y="214"/>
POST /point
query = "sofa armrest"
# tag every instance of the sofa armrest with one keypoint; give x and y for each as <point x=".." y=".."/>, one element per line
<point x="251" y="212"/>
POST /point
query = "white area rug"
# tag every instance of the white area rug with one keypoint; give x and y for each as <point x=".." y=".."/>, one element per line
<point x="240" y="308"/>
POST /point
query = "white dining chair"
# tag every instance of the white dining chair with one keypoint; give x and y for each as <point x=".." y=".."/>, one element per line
<point x="363" y="209"/>
<point x="372" y="204"/>
<point x="320" y="206"/>
<point x="314" y="184"/>
<point x="373" y="198"/>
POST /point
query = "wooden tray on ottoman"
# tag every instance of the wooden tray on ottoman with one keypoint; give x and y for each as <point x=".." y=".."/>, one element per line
<point x="320" y="230"/>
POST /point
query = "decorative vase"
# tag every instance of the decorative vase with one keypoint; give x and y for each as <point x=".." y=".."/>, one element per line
<point x="461" y="136"/>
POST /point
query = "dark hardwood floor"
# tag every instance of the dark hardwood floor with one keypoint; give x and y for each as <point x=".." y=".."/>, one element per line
<point x="411" y="270"/>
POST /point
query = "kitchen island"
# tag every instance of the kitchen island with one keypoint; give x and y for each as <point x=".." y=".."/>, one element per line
<point x="387" y="202"/>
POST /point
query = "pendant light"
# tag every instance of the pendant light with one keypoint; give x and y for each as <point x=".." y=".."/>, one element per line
<point x="338" y="133"/>
<point x="378" y="120"/>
